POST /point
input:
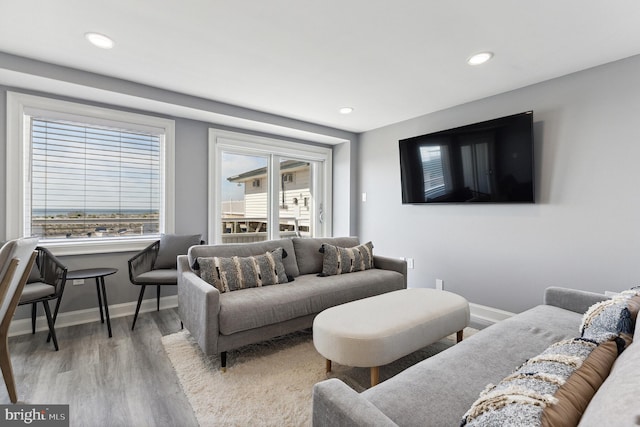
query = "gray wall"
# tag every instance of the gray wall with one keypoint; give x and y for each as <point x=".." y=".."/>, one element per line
<point x="191" y="171"/>
<point x="583" y="231"/>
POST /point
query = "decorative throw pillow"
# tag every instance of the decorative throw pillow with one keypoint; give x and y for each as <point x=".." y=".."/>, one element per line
<point x="172" y="245"/>
<point x="34" y="274"/>
<point x="337" y="260"/>
<point x="230" y="274"/>
<point x="610" y="318"/>
<point x="551" y="389"/>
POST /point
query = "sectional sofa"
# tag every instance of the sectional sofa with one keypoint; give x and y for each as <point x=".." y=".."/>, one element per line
<point x="222" y="319"/>
<point x="440" y="390"/>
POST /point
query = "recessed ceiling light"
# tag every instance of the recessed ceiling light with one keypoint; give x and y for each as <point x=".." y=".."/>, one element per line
<point x="346" y="110"/>
<point x="479" y="58"/>
<point x="99" y="40"/>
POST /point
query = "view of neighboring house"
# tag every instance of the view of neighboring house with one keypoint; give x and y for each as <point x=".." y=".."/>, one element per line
<point x="250" y="215"/>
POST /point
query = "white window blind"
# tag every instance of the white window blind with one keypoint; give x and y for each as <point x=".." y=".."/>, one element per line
<point x="91" y="181"/>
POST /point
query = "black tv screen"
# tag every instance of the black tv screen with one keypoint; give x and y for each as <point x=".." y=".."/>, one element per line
<point x="486" y="162"/>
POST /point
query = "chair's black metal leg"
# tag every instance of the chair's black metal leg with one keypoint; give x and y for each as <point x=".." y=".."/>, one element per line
<point x="99" y="299"/>
<point x="223" y="361"/>
<point x="181" y="325"/>
<point x="135" y="316"/>
<point x="34" y="310"/>
<point x="106" y="304"/>
<point x="52" y="330"/>
<point x="55" y="311"/>
<point x="158" y="299"/>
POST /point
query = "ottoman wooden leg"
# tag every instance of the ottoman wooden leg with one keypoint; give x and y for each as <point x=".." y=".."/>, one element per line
<point x="375" y="375"/>
<point x="328" y="365"/>
<point x="459" y="336"/>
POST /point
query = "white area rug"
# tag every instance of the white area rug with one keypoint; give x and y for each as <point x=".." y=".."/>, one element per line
<point x="267" y="384"/>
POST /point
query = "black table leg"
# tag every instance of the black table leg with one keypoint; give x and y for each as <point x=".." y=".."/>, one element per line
<point x="106" y="305"/>
<point x="99" y="299"/>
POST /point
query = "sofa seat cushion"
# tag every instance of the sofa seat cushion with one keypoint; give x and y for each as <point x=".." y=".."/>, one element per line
<point x="36" y="290"/>
<point x="252" y="308"/>
<point x="459" y="374"/>
<point x="158" y="277"/>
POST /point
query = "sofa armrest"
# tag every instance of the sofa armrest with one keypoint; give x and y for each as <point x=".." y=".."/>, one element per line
<point x="572" y="299"/>
<point x="198" y="307"/>
<point x="393" y="264"/>
<point x="336" y="404"/>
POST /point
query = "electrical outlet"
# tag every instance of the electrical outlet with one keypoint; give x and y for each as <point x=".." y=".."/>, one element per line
<point x="440" y="284"/>
<point x="364" y="197"/>
<point x="409" y="262"/>
<point x="78" y="282"/>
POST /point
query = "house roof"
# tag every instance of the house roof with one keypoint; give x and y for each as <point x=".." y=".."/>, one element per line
<point x="286" y="166"/>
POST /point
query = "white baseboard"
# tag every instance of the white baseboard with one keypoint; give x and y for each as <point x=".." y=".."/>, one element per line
<point x="485" y="316"/>
<point x="70" y="318"/>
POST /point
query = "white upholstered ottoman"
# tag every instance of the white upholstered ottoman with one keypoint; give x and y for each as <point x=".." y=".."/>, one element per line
<point x="375" y="331"/>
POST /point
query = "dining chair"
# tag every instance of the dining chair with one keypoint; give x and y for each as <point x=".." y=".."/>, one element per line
<point x="16" y="259"/>
<point x="45" y="283"/>
<point x="156" y="265"/>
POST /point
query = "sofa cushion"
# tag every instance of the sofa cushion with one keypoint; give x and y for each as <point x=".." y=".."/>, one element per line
<point x="172" y="245"/>
<point x="308" y="251"/>
<point x="608" y="319"/>
<point x="338" y="260"/>
<point x="255" y="307"/>
<point x="551" y="389"/>
<point x="248" y="249"/>
<point x="235" y="273"/>
<point x="616" y="402"/>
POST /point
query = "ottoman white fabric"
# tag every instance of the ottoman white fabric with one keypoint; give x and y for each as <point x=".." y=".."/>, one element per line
<point x="375" y="331"/>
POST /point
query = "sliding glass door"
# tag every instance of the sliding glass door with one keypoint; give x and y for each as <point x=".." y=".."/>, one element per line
<point x="265" y="189"/>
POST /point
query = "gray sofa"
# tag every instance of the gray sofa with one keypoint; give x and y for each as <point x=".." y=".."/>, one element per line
<point x="229" y="320"/>
<point x="439" y="390"/>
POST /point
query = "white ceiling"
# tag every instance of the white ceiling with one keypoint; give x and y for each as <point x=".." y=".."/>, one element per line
<point x="390" y="60"/>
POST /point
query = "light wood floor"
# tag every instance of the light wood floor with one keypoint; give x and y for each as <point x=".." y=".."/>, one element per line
<point x="126" y="380"/>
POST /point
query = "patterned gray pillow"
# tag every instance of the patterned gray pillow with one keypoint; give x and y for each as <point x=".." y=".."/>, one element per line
<point x="231" y="274"/>
<point x="608" y="319"/>
<point x="337" y="260"/>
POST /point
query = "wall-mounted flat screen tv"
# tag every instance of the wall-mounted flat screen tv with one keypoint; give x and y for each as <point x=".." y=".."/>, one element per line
<point x="486" y="162"/>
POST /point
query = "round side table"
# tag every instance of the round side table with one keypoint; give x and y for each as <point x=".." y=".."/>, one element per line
<point x="99" y="274"/>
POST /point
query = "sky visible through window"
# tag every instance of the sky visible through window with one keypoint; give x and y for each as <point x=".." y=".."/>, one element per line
<point x="236" y="164"/>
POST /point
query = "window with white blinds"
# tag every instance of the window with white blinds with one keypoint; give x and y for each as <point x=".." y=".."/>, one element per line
<point x="88" y="179"/>
<point x="93" y="181"/>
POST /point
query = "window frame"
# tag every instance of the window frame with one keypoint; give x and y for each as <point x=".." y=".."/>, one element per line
<point x="274" y="149"/>
<point x="20" y="106"/>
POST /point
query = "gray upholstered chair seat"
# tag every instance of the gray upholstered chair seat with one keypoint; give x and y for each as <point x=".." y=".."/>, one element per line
<point x="36" y="290"/>
<point x="154" y="277"/>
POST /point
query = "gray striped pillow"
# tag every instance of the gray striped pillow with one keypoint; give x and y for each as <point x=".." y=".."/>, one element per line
<point x="337" y="260"/>
<point x="231" y="274"/>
